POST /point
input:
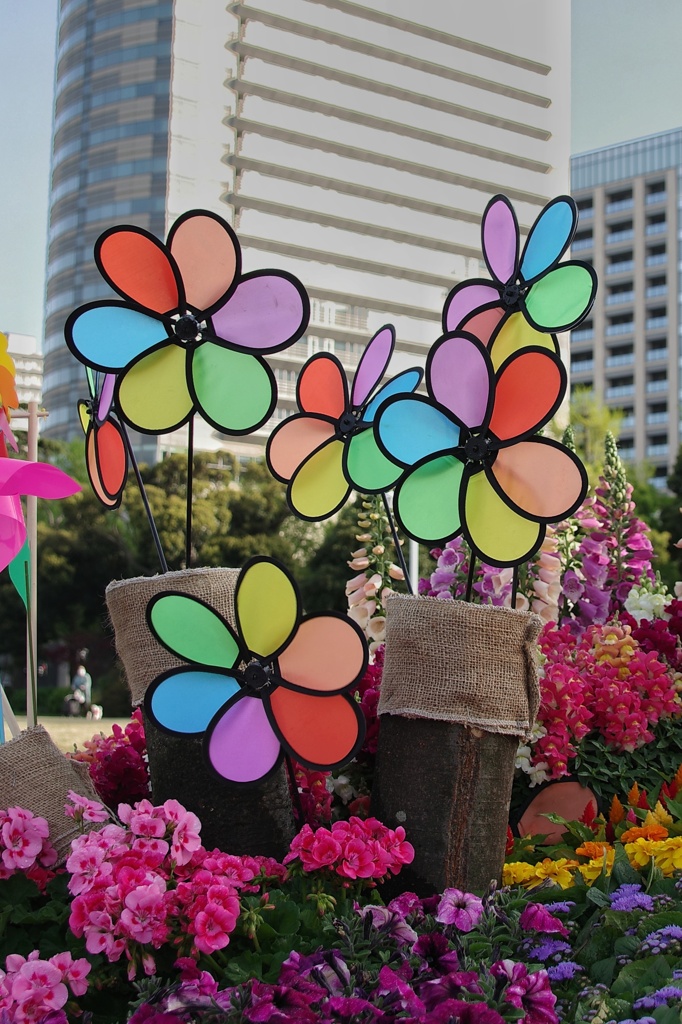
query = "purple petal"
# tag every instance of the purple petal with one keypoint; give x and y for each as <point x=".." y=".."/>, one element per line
<point x="372" y="365"/>
<point x="266" y="312"/>
<point x="241" y="745"/>
<point x="464" y="299"/>
<point x="501" y="240"/>
<point x="106" y="397"/>
<point x="459" y="379"/>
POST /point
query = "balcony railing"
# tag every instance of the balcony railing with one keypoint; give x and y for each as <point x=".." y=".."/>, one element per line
<point x="583" y="335"/>
<point x="656" y="197"/>
<point x="656" y="385"/>
<point x="621" y="267"/>
<point x="654" y="261"/>
<point x="655" y="354"/>
<point x="656" y="321"/>
<point x="625" y="359"/>
<point x="627" y="423"/>
<point x="655" y="417"/>
<point x="582" y="243"/>
<point x="627" y="453"/>
<point x="624" y="328"/>
<point x="582" y="366"/>
<point x="656" y="229"/>
<point x="655" y="290"/>
<point x="618" y="297"/>
<point x="621" y="391"/>
<point x="620" y="204"/>
<point x="585" y="213"/>
<point x="656" y="451"/>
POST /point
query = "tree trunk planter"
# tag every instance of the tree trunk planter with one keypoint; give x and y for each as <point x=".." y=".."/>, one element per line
<point x="255" y="820"/>
<point x="459" y="690"/>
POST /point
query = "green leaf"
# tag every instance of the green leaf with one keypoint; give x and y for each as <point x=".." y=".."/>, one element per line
<point x="650" y="973"/>
<point x="598" y="897"/>
<point x="623" y="872"/>
<point x="602" y="971"/>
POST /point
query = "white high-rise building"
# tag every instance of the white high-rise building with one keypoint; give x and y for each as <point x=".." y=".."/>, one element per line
<point x="347" y="142"/>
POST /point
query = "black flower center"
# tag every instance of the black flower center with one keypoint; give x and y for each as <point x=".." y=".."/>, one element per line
<point x="257" y="676"/>
<point x="186" y="327"/>
<point x="511" y="294"/>
<point x="477" y="448"/>
<point x="347" y="424"/>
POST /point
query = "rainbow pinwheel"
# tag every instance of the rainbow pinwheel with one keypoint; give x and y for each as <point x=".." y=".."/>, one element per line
<point x="19" y="477"/>
<point x="473" y="466"/>
<point x="551" y="296"/>
<point x="106" y="455"/>
<point x="329" y="447"/>
<point x="276" y="684"/>
<point x="191" y="333"/>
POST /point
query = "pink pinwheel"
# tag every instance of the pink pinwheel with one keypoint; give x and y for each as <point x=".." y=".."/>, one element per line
<point x="19" y="477"/>
<point x="551" y="296"/>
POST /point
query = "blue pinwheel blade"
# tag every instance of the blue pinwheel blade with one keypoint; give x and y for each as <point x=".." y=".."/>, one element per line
<point x="404" y="383"/>
<point x="109" y="336"/>
<point x="548" y="237"/>
<point x="185" y="701"/>
<point x="411" y="428"/>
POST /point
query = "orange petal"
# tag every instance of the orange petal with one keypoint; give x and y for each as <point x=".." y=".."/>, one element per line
<point x="93" y="471"/>
<point x="112" y="458"/>
<point x="207" y="253"/>
<point x="137" y="267"/>
<point x="483" y="324"/>
<point x="325" y="654"/>
<point x="541" y="478"/>
<point x="320" y="731"/>
<point x="322" y="387"/>
<point x="527" y="394"/>
<point x="293" y="441"/>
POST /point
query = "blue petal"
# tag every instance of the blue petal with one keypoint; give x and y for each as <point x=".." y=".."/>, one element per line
<point x="412" y="428"/>
<point x="186" y="701"/>
<point x="548" y="238"/>
<point x="404" y="383"/>
<point x="111" y="336"/>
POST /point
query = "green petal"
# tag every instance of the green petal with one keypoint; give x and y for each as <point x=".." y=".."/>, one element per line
<point x="561" y="298"/>
<point x="268" y="607"/>
<point x="367" y="467"/>
<point x="428" y="500"/>
<point x="192" y="631"/>
<point x="234" y="390"/>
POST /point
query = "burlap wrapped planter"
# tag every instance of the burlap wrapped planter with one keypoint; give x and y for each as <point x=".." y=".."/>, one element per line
<point x="36" y="775"/>
<point x="459" y="690"/>
<point x="257" y="820"/>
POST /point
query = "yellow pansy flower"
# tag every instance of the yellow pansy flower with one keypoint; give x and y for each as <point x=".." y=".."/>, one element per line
<point x="668" y="855"/>
<point x="558" y="871"/>
<point x="640" y="852"/>
<point x="519" y="873"/>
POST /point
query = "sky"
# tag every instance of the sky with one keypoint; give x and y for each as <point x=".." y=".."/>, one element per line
<point x="627" y="82"/>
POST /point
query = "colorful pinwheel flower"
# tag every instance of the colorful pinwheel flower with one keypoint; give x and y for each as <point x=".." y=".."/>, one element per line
<point x="19" y="477"/>
<point x="106" y="455"/>
<point x="551" y="296"/>
<point x="192" y="329"/>
<point x="473" y="465"/>
<point x="278" y="683"/>
<point x="329" y="447"/>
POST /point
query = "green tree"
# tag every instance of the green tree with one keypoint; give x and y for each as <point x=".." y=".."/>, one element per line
<point x="590" y="422"/>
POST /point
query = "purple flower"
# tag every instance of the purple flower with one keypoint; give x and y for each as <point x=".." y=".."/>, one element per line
<point x="529" y="992"/>
<point x="594" y="606"/>
<point x="408" y="903"/>
<point x="463" y="1013"/>
<point x="629" y="896"/>
<point x="538" y="919"/>
<point x="434" y="948"/>
<point x="658" y="998"/>
<point x="389" y="922"/>
<point x="442" y="579"/>
<point x="449" y="557"/>
<point x="571" y="586"/>
<point x="390" y="983"/>
<point x="347" y="1009"/>
<point x="547" y="949"/>
<point x="564" y="971"/>
<point x="560" y="907"/>
<point x="459" y="908"/>
<point x="449" y="986"/>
